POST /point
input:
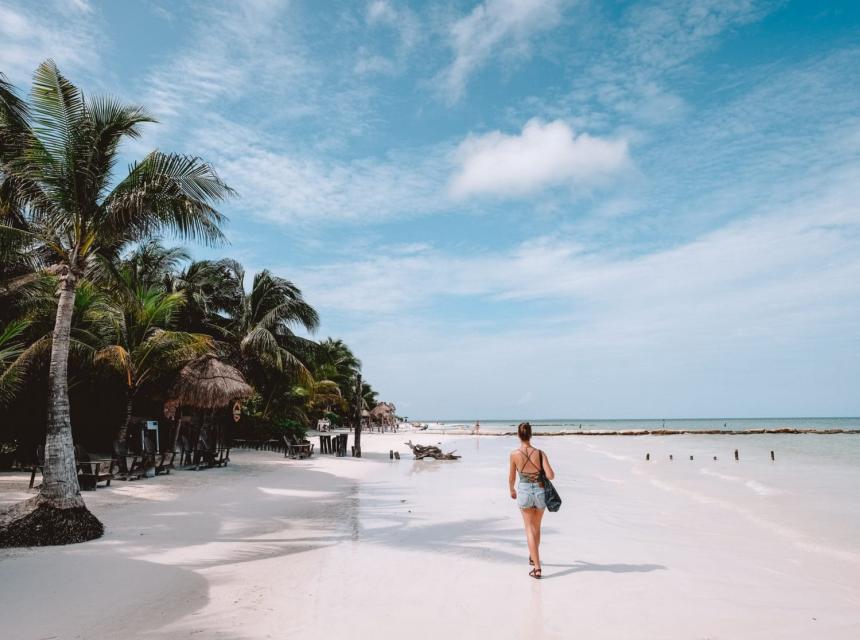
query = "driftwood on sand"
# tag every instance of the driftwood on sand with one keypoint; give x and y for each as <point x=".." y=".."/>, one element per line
<point x="421" y="452"/>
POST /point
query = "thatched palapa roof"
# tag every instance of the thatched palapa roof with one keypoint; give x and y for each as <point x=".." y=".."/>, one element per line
<point x="208" y="383"/>
<point x="383" y="409"/>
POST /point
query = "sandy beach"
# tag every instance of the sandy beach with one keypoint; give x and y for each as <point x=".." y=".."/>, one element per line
<point x="340" y="547"/>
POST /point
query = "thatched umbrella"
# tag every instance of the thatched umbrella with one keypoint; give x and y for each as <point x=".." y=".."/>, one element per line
<point x="383" y="413"/>
<point x="208" y="383"/>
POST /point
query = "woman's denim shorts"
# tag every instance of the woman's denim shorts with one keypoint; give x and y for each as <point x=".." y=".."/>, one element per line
<point x="530" y="495"/>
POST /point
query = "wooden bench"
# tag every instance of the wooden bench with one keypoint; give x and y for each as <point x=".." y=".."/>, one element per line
<point x="161" y="461"/>
<point x="129" y="466"/>
<point x="92" y="470"/>
<point x="295" y="448"/>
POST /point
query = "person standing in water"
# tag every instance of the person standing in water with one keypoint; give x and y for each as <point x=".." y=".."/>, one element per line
<point x="477" y="428"/>
<point x="527" y="462"/>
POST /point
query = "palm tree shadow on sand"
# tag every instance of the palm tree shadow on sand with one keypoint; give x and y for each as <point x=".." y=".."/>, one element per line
<point x="581" y="565"/>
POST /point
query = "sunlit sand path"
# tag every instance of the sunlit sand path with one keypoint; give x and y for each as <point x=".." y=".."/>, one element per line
<point x="338" y="547"/>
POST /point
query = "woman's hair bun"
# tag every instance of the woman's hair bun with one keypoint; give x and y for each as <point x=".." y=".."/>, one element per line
<point x="524" y="431"/>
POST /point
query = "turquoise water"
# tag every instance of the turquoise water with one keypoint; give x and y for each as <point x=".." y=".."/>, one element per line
<point x="737" y="424"/>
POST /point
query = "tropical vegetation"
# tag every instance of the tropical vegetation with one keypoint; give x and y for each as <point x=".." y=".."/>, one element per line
<point x="98" y="315"/>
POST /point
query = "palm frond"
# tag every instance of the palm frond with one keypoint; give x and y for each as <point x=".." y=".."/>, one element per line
<point x="57" y="108"/>
<point x="13" y="110"/>
<point x="14" y="359"/>
<point x="167" y="192"/>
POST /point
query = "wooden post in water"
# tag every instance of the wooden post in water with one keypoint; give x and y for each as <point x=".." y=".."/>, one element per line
<point x="715" y="457"/>
<point x="356" y="450"/>
<point x="671" y="457"/>
<point x="691" y="457"/>
<point x="771" y="456"/>
<point x="736" y="455"/>
<point x="647" y="456"/>
<point x="391" y="454"/>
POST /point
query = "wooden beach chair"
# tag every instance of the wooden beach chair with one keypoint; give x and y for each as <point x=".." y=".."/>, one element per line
<point x="222" y="456"/>
<point x="129" y="466"/>
<point x="197" y="454"/>
<point x="161" y="461"/>
<point x="38" y="463"/>
<point x="295" y="448"/>
<point x="93" y="469"/>
<point x="186" y="451"/>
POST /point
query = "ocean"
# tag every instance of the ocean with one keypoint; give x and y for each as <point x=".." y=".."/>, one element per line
<point x="691" y="424"/>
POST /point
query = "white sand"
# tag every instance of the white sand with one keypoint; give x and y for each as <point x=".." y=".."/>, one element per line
<point x="344" y="548"/>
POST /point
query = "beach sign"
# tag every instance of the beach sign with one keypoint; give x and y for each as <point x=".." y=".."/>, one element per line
<point x="237" y="411"/>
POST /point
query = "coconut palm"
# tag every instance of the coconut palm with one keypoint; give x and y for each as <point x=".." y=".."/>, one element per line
<point x="335" y="361"/>
<point x="135" y="340"/>
<point x="148" y="265"/>
<point x="262" y="328"/>
<point x="12" y="362"/>
<point x="57" y="170"/>
<point x="212" y="291"/>
<point x="257" y="328"/>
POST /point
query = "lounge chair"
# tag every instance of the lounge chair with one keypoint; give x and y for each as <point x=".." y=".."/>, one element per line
<point x="129" y="465"/>
<point x="204" y="455"/>
<point x="297" y="448"/>
<point x="222" y="457"/>
<point x="161" y="461"/>
<point x="93" y="469"/>
<point x="38" y="463"/>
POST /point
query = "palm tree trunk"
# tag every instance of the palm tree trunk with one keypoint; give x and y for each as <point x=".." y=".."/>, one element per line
<point x="122" y="434"/>
<point x="58" y="514"/>
<point x="60" y="485"/>
<point x="357" y="417"/>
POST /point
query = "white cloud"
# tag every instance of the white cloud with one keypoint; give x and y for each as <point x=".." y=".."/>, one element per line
<point x="64" y="31"/>
<point x="543" y="155"/>
<point x="400" y="19"/>
<point x="368" y="62"/>
<point x="736" y="320"/>
<point x="494" y="26"/>
<point x="222" y="60"/>
<point x="296" y="186"/>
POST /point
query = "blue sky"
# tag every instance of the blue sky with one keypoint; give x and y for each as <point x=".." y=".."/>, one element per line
<point x="522" y="208"/>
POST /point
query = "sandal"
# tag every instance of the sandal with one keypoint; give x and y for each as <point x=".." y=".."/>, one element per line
<point x="535" y="573"/>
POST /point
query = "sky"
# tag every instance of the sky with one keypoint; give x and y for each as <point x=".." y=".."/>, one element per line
<point x="521" y="208"/>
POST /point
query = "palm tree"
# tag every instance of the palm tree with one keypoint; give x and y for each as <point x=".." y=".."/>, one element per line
<point x="335" y="361"/>
<point x="256" y="327"/>
<point x="135" y="339"/>
<point x="212" y="291"/>
<point x="57" y="171"/>
<point x="12" y="362"/>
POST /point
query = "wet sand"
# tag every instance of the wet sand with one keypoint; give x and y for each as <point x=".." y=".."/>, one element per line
<point x="345" y="548"/>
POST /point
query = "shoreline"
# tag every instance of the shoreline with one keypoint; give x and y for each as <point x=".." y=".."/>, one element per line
<point x="649" y="432"/>
<point x="342" y="547"/>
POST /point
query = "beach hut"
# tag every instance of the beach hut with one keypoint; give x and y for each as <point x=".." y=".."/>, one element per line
<point x="206" y="392"/>
<point x="383" y="415"/>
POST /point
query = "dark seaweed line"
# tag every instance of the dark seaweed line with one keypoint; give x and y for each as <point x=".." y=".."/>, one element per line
<point x="676" y="432"/>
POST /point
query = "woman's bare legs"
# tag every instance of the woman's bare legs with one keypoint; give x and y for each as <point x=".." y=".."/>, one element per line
<point x="538" y="520"/>
<point x="531" y="520"/>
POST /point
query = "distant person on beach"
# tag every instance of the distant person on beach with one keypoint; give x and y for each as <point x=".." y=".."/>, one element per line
<point x="527" y="462"/>
<point x="477" y="428"/>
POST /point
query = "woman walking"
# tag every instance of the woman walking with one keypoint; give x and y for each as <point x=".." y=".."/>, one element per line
<point x="528" y="462"/>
